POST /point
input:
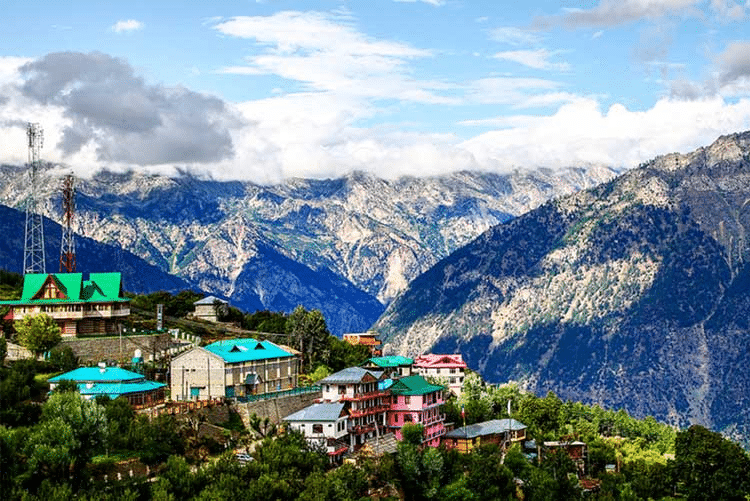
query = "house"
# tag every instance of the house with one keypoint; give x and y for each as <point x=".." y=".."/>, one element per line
<point x="113" y="382"/>
<point x="577" y="451"/>
<point x="210" y="308"/>
<point x="447" y="369"/>
<point x="392" y="366"/>
<point x="232" y="368"/>
<point x="497" y="431"/>
<point x="324" y="425"/>
<point x="366" y="403"/>
<point x="367" y="339"/>
<point x="415" y="400"/>
<point x="80" y="307"/>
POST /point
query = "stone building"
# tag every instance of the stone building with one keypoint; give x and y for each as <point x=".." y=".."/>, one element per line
<point x="232" y="368"/>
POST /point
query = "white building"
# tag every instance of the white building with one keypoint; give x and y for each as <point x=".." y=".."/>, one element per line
<point x="324" y="425"/>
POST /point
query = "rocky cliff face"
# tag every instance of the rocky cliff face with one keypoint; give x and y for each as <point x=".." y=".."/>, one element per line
<point x="354" y="242"/>
<point x="633" y="294"/>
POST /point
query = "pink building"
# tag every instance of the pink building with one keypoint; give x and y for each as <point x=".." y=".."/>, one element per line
<point x="446" y="369"/>
<point x="415" y="400"/>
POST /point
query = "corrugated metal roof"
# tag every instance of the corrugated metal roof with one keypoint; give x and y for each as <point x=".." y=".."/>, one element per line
<point x="210" y="300"/>
<point x="321" y="412"/>
<point x="245" y="350"/>
<point x="492" y="427"/>
<point x="98" y="375"/>
<point x="349" y="375"/>
<point x="390" y="361"/>
<point x="114" y="390"/>
<point x="414" y="385"/>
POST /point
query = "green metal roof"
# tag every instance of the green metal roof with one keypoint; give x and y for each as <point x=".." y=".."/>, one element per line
<point x="414" y="385"/>
<point x="391" y="361"/>
<point x="245" y="350"/>
<point x="100" y="287"/>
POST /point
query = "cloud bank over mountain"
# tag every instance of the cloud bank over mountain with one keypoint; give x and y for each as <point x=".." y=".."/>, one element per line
<point x="319" y="94"/>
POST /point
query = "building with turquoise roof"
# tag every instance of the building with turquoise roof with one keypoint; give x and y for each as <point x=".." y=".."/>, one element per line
<point x="233" y="368"/>
<point x="392" y="366"/>
<point x="93" y="306"/>
<point x="113" y="382"/>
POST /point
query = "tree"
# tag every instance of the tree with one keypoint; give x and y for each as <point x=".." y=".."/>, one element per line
<point x="63" y="358"/>
<point x="309" y="334"/>
<point x="38" y="333"/>
<point x="3" y="350"/>
<point x="710" y="466"/>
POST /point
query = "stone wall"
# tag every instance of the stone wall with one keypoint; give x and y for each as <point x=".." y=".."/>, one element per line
<point x="92" y="349"/>
<point x="275" y="409"/>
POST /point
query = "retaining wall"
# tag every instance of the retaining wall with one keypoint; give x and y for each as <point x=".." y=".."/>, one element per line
<point x="275" y="409"/>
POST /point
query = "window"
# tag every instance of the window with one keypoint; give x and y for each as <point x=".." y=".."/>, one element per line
<point x="407" y="399"/>
<point x="317" y="428"/>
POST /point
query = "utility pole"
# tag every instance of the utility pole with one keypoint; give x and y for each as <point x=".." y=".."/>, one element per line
<point x="67" y="242"/>
<point x="33" y="251"/>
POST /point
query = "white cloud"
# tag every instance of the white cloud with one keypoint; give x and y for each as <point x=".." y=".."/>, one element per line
<point x="514" y="36"/>
<point x="127" y="25"/>
<point x="506" y="90"/>
<point x="537" y="59"/>
<point x="614" y="12"/>
<point x="580" y="133"/>
<point x="327" y="54"/>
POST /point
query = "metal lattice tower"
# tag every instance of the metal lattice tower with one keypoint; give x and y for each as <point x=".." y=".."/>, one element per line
<point x="33" y="251"/>
<point x="68" y="243"/>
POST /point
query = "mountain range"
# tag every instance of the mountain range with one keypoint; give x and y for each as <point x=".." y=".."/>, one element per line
<point x="632" y="294"/>
<point x="345" y="246"/>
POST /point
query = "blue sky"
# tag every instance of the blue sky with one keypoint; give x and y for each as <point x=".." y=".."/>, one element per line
<point x="265" y="90"/>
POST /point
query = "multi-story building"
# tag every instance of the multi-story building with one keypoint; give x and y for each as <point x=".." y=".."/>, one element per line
<point x="366" y="404"/>
<point x="446" y="369"/>
<point x="415" y="400"/>
<point x="232" y="368"/>
<point x="324" y="425"/>
<point x="392" y="366"/>
<point x="93" y="306"/>
<point x="366" y="338"/>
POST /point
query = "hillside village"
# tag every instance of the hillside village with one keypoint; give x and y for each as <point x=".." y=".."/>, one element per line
<point x="383" y="406"/>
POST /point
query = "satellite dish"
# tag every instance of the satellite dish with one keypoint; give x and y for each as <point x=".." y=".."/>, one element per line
<point x="138" y="354"/>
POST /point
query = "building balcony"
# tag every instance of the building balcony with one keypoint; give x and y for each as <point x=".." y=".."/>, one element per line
<point x="439" y="418"/>
<point x="363" y="428"/>
<point x="358" y="397"/>
<point x="355" y="413"/>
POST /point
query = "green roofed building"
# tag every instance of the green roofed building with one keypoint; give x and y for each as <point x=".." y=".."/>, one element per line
<point x="93" y="306"/>
<point x="392" y="366"/>
<point x="233" y="368"/>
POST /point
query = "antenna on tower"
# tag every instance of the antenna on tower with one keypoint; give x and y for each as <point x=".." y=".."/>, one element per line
<point x="33" y="251"/>
<point x="68" y="243"/>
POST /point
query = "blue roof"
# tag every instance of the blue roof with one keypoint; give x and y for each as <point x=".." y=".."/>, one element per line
<point x="98" y="375"/>
<point x="318" y="412"/>
<point x="114" y="390"/>
<point x="245" y="350"/>
<point x="349" y="375"/>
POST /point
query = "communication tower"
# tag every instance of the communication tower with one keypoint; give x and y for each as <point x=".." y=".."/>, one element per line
<point x="33" y="251"/>
<point x="68" y="243"/>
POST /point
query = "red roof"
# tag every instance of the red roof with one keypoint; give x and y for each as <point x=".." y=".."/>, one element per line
<point x="432" y="360"/>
